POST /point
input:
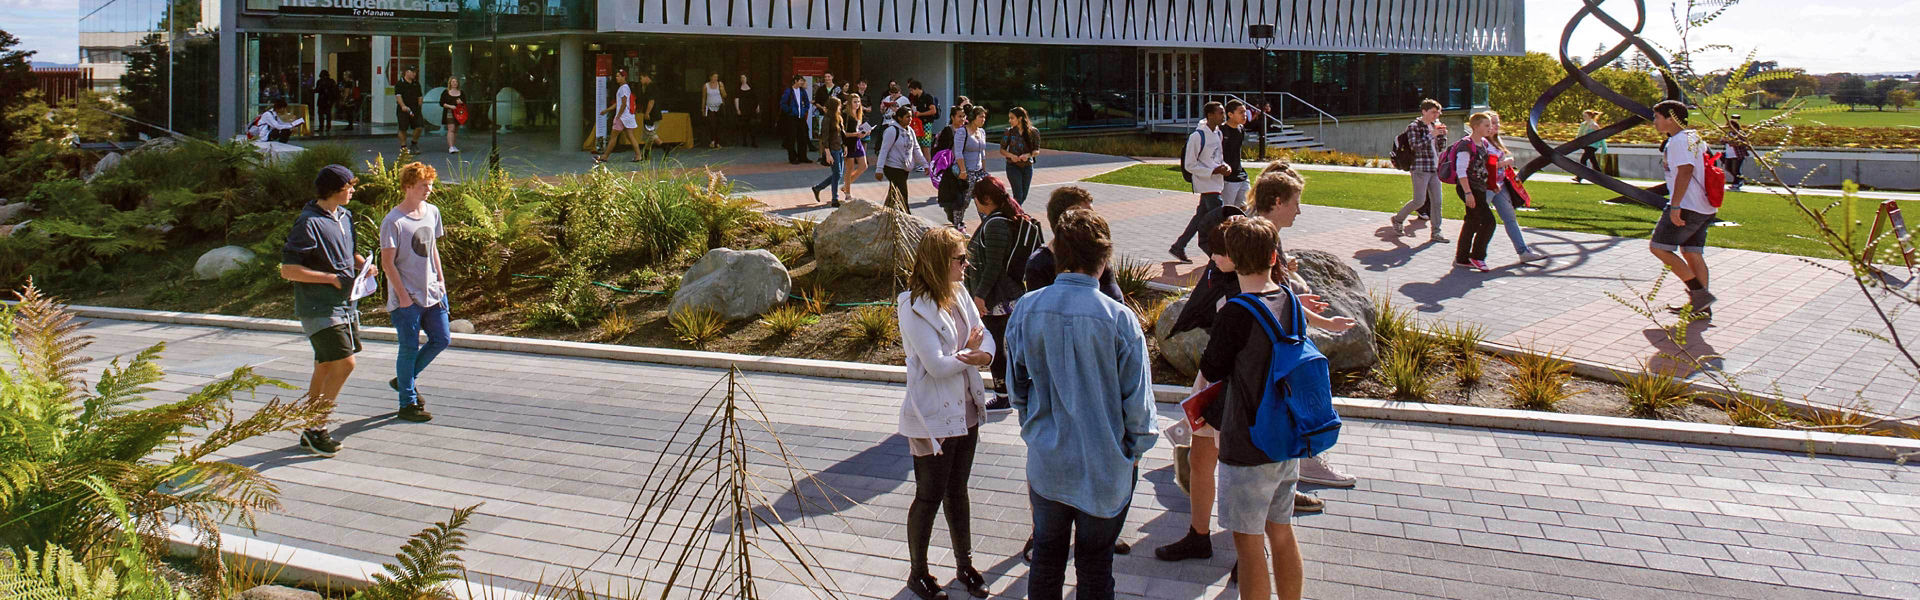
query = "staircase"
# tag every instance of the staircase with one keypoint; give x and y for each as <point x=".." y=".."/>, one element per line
<point x="1279" y="135"/>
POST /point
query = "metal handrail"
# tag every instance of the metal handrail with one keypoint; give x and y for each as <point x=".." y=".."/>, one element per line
<point x="1280" y="119"/>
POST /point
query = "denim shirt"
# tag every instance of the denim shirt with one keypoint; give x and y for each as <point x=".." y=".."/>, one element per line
<point x="1078" y="364"/>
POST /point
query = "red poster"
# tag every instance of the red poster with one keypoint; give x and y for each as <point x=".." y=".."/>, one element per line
<point x="603" y="65"/>
<point x="810" y="66"/>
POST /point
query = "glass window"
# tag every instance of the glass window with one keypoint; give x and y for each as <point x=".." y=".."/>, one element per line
<point x="1061" y="86"/>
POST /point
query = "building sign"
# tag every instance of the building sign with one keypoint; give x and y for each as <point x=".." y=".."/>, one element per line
<point x="810" y="66"/>
<point x="406" y="9"/>
<point x="602" y="69"/>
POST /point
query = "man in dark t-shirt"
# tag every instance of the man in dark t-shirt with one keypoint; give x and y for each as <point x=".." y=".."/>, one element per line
<point x="407" y="92"/>
<point x="320" y="259"/>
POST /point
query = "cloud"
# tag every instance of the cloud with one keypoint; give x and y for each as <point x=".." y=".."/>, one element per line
<point x="53" y="34"/>
<point x="1819" y="37"/>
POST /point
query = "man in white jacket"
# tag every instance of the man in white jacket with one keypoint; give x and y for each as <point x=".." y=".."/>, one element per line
<point x="1207" y="166"/>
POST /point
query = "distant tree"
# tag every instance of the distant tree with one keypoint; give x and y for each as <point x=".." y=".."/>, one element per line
<point x="16" y="77"/>
<point x="1600" y="50"/>
<point x="1877" y="94"/>
<point x="144" y="86"/>
<point x="1852" y="91"/>
<point x="1517" y="81"/>
<point x="1900" y="99"/>
<point x="1800" y="84"/>
<point x="1829" y="83"/>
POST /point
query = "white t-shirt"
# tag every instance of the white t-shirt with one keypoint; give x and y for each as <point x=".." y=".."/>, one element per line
<point x="1685" y="148"/>
<point x="415" y="244"/>
<point x="624" y="98"/>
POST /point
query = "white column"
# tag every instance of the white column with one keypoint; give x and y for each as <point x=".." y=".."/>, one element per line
<point x="573" y="113"/>
<point x="380" y="82"/>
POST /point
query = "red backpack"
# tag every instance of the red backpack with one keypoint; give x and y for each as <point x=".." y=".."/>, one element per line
<point x="1714" y="178"/>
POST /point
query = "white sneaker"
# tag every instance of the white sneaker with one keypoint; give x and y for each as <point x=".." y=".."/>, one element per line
<point x="453" y="149"/>
<point x="1315" y="470"/>
<point x="1533" y="255"/>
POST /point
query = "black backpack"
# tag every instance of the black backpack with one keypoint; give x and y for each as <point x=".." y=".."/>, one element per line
<point x="1184" y="173"/>
<point x="1027" y="237"/>
<point x="1403" y="151"/>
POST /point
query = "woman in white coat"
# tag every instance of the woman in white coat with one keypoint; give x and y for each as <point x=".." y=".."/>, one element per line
<point x="945" y="402"/>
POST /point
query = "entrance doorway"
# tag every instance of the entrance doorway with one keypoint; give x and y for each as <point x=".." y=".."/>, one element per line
<point x="1170" y="81"/>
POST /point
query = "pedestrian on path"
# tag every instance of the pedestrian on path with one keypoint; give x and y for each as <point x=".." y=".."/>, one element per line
<point x="1234" y="186"/>
<point x="1511" y="194"/>
<point x="832" y="149"/>
<point x="713" y="97"/>
<point x="1041" y="268"/>
<point x="854" y="117"/>
<point x="319" y="259"/>
<point x="1472" y="174"/>
<point x="1256" y="492"/>
<point x="793" y="120"/>
<point x="1019" y="146"/>
<point x="1680" y="238"/>
<point x="826" y="89"/>
<point x="452" y="101"/>
<point x="926" y="109"/>
<point x="746" y="111"/>
<point x="1276" y="199"/>
<point x="1428" y="135"/>
<point x="1205" y="163"/>
<point x="995" y="281"/>
<point x="940" y="415"/>
<point x="900" y="153"/>
<point x="1589" y="155"/>
<point x="970" y="147"/>
<point x="326" y="95"/>
<point x="1738" y="149"/>
<point x="954" y="186"/>
<point x="1078" y="364"/>
<point x="413" y="122"/>
<point x="624" y="123"/>
<point x="416" y="285"/>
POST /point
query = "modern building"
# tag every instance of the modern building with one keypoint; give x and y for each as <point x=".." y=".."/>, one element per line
<point x="1072" y="63"/>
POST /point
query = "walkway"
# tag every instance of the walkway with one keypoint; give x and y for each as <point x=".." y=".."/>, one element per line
<point x="557" y="447"/>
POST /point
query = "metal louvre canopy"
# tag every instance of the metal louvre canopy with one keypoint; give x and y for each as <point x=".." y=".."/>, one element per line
<point x="1411" y="26"/>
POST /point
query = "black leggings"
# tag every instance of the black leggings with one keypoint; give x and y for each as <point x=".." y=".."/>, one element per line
<point x="942" y="479"/>
<point x="997" y="327"/>
<point x="1733" y="169"/>
<point x="1591" y="159"/>
<point x="898" y="179"/>
<point x="1476" y="230"/>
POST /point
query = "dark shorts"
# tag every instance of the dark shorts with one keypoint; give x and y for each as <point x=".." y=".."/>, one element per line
<point x="1691" y="237"/>
<point x="335" y="343"/>
<point x="409" y="121"/>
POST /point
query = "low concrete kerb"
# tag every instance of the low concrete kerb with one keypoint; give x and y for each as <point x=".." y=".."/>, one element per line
<point x="299" y="566"/>
<point x="1857" y="446"/>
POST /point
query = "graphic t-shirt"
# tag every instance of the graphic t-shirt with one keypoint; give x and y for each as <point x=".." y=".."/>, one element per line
<point x="1685" y="148"/>
<point x="415" y="244"/>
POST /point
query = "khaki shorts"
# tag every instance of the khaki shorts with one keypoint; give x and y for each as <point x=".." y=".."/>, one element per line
<point x="1251" y="497"/>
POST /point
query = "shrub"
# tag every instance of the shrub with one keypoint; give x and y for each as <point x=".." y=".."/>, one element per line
<point x="720" y="211"/>
<point x="1652" y="394"/>
<point x="1132" y="275"/>
<point x="697" y="326"/>
<point x="1149" y="313"/>
<point x="1747" y="410"/>
<point x="1462" y="340"/>
<point x="875" y="324"/>
<point x="425" y="564"/>
<point x="1391" y="322"/>
<point x="789" y="318"/>
<point x="617" y="325"/>
<point x="1403" y="367"/>
<point x="1540" y="380"/>
<point x="816" y="299"/>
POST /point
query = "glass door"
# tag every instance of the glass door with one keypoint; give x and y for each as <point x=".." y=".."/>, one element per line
<point x="1171" y="84"/>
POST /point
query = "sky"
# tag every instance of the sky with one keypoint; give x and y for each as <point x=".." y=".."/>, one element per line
<point x="1821" y="36"/>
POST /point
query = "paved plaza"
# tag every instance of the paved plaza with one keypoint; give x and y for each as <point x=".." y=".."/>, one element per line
<point x="557" y="448"/>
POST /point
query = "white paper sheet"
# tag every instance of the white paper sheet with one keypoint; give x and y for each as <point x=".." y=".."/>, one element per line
<point x="365" y="284"/>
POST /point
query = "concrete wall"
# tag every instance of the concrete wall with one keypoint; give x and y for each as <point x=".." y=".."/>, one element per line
<point x="929" y="62"/>
<point x="1878" y="169"/>
<point x="1373" y="135"/>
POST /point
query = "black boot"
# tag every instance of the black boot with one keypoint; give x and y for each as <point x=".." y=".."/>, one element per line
<point x="1194" y="545"/>
<point x="970" y="577"/>
<point x="926" y="587"/>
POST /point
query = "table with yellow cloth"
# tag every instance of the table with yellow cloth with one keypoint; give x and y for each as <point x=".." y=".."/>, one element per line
<point x="673" y="129"/>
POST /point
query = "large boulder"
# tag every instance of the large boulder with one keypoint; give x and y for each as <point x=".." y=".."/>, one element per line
<point x="278" y="592"/>
<point x="107" y="163"/>
<point x="12" y="211"/>
<point x="1336" y="283"/>
<point x="737" y="284"/>
<point x="220" y="261"/>
<point x="460" y="326"/>
<point x="855" y="239"/>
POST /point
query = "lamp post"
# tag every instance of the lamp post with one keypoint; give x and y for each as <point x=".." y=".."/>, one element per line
<point x="493" y="29"/>
<point x="1262" y="36"/>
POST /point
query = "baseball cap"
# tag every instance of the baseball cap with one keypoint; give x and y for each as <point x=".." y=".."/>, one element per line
<point x="331" y="179"/>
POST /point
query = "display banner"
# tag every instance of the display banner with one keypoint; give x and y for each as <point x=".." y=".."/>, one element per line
<point x="602" y="70"/>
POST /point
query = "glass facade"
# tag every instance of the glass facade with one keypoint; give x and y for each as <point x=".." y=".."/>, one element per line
<point x="1346" y="83"/>
<point x="168" y="85"/>
<point x="1060" y="86"/>
<point x="524" y="16"/>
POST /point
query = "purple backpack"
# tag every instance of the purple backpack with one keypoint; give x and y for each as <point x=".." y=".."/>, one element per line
<point x="940" y="166"/>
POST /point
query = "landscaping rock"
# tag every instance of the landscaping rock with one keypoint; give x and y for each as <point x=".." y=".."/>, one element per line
<point x="220" y="261"/>
<point x="854" y="239"/>
<point x="460" y="326"/>
<point x="278" y="592"/>
<point x="107" y="163"/>
<point x="11" y="212"/>
<point x="1331" y="278"/>
<point x="159" y="143"/>
<point x="737" y="284"/>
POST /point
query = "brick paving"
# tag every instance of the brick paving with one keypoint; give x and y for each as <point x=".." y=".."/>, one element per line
<point x="557" y="448"/>
<point x="1783" y="324"/>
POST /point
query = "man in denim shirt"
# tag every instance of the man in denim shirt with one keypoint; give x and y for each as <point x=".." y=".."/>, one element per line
<point x="1078" y="364"/>
<point x="319" y="259"/>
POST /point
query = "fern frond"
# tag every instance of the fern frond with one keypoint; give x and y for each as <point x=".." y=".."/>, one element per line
<point x="49" y="341"/>
<point x="427" y="561"/>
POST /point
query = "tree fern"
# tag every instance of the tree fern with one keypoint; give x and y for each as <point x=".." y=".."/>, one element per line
<point x="425" y="564"/>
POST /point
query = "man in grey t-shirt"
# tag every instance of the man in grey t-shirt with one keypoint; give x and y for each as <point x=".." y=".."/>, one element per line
<point x="416" y="285"/>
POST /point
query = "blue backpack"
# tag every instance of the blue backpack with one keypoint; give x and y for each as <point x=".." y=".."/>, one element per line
<point x="1296" y="418"/>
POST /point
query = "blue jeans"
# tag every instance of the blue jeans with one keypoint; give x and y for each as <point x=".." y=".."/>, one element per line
<point x="1020" y="178"/>
<point x="833" y="174"/>
<point x="1056" y="526"/>
<point x="408" y="322"/>
<point x="1503" y="203"/>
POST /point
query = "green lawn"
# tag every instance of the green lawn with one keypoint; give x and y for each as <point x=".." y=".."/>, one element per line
<point x="1767" y="223"/>
<point x="1814" y="114"/>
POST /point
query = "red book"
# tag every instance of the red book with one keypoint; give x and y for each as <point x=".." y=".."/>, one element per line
<point x="1196" y="405"/>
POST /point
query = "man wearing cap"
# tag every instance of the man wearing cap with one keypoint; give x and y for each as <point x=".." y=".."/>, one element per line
<point x="319" y="259"/>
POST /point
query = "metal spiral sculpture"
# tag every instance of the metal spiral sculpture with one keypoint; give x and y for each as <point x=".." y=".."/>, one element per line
<point x="1638" y="113"/>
